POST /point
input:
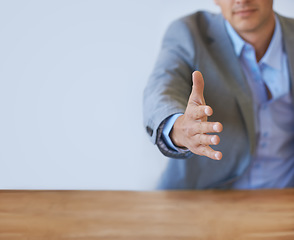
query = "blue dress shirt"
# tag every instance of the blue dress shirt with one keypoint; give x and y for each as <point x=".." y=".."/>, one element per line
<point x="272" y="165"/>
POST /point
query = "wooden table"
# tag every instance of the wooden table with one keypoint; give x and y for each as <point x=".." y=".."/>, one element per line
<point x="236" y="215"/>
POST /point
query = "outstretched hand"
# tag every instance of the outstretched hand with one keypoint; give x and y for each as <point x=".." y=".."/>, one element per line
<point x="190" y="130"/>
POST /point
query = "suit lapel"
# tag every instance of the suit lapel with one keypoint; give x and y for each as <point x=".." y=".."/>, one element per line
<point x="221" y="44"/>
<point x="288" y="38"/>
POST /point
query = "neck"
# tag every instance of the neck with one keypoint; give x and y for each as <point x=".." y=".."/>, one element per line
<point x="260" y="38"/>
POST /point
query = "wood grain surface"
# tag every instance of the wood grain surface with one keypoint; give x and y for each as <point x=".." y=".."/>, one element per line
<point x="215" y="215"/>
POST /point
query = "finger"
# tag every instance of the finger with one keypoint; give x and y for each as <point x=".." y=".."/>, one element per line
<point x="196" y="96"/>
<point x="204" y="139"/>
<point x="208" y="152"/>
<point x="199" y="112"/>
<point x="204" y="127"/>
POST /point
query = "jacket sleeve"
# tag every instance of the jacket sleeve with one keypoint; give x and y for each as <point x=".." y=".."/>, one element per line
<point x="170" y="83"/>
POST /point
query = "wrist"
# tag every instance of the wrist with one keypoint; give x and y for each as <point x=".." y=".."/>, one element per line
<point x="174" y="134"/>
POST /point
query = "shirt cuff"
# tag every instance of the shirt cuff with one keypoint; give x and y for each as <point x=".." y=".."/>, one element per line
<point x="166" y="131"/>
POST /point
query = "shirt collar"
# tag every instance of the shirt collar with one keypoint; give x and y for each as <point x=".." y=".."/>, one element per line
<point x="274" y="53"/>
<point x="238" y="42"/>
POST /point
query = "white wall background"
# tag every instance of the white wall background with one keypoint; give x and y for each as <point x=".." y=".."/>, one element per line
<point x="72" y="73"/>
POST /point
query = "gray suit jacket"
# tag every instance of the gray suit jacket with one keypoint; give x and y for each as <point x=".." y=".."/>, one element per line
<point x="200" y="42"/>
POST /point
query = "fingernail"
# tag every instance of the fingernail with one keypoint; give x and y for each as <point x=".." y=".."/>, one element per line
<point x="214" y="140"/>
<point x="215" y="127"/>
<point x="207" y="111"/>
<point x="218" y="156"/>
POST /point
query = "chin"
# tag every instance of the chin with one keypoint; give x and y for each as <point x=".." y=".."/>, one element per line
<point x="245" y="26"/>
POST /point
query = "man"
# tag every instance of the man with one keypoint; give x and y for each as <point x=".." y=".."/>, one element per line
<point x="246" y="57"/>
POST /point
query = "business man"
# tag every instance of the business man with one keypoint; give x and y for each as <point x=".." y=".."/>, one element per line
<point x="246" y="57"/>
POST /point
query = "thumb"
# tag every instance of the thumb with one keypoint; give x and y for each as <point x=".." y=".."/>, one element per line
<point x="196" y="95"/>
